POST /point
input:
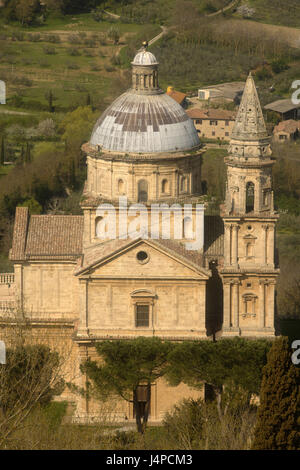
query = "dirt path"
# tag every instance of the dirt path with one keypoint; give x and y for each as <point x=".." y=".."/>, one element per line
<point x="231" y="4"/>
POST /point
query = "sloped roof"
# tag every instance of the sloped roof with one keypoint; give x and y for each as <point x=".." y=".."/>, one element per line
<point x="97" y="254"/>
<point x="217" y="114"/>
<point x="290" y="126"/>
<point x="177" y="95"/>
<point x="282" y="106"/>
<point x="59" y="237"/>
<point x="46" y="236"/>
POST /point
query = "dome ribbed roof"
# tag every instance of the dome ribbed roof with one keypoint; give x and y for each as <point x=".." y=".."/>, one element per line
<point x="144" y="58"/>
<point x="139" y="123"/>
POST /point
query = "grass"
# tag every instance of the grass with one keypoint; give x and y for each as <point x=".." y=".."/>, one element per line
<point x="285" y="13"/>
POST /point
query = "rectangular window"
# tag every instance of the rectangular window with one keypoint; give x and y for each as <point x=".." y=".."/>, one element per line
<point x="198" y="121"/>
<point x="227" y="134"/>
<point x="226" y="123"/>
<point x="142" y="316"/>
<point x="213" y="133"/>
<point x="213" y="123"/>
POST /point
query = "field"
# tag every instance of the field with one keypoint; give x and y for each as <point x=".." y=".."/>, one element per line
<point x="285" y="13"/>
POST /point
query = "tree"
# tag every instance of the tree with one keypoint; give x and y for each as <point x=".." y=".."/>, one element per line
<point x="129" y="368"/>
<point x="26" y="11"/>
<point x="2" y="152"/>
<point x="277" y="426"/>
<point x="28" y="153"/>
<point x="226" y="364"/>
<point x="50" y="98"/>
<point x="114" y="35"/>
<point x="29" y="377"/>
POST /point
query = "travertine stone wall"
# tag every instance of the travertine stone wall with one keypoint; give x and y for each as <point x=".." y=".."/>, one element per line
<point x="47" y="289"/>
<point x="166" y="179"/>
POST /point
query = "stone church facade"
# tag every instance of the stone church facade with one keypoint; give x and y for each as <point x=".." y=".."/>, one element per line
<point x="144" y="147"/>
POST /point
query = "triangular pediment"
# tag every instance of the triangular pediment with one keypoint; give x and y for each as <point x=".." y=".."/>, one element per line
<point x="142" y="259"/>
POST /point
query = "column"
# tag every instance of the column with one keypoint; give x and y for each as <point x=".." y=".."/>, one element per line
<point x="83" y="305"/>
<point x="270" y="246"/>
<point x="262" y="304"/>
<point x="227" y="243"/>
<point x="234" y="260"/>
<point x="235" y="302"/>
<point x="265" y="227"/>
<point x="227" y="304"/>
<point x="271" y="304"/>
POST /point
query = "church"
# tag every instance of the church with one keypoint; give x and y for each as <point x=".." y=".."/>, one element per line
<point x="87" y="287"/>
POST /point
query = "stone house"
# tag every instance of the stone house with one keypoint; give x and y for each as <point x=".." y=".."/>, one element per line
<point x="213" y="123"/>
<point x="286" y="130"/>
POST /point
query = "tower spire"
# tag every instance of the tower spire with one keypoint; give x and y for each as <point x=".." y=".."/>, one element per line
<point x="249" y="137"/>
<point x="250" y="124"/>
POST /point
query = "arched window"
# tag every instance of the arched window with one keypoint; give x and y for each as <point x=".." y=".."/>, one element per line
<point x="249" y="197"/>
<point x="142" y="191"/>
<point x="121" y="186"/>
<point x="165" y="186"/>
<point x="183" y="184"/>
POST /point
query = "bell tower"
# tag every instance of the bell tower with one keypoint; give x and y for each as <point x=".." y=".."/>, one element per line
<point x="249" y="272"/>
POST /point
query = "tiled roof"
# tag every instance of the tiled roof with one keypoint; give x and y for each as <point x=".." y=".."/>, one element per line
<point x="46" y="236"/>
<point x="99" y="253"/>
<point x="177" y="95"/>
<point x="215" y="114"/>
<point x="290" y="126"/>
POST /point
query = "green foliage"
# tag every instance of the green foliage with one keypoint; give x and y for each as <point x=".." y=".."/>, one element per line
<point x="26" y="378"/>
<point x="33" y="205"/>
<point x="76" y="126"/>
<point x="278" y="415"/>
<point x="127" y="365"/>
<point x="185" y="424"/>
<point x="228" y="361"/>
<point x="55" y="412"/>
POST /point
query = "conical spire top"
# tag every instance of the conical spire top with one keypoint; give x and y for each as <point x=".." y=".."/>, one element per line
<point x="249" y="124"/>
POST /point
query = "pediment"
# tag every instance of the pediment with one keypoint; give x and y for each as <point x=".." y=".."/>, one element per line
<point x="120" y="260"/>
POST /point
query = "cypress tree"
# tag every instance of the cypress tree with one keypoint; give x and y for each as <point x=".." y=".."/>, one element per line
<point x="277" y="427"/>
<point x="28" y="153"/>
<point x="2" y="154"/>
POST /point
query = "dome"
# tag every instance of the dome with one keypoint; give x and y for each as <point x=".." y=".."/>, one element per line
<point x="140" y="123"/>
<point x="144" y="119"/>
<point x="144" y="57"/>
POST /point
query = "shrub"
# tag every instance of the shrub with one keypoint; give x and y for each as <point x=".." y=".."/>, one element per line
<point x="34" y="37"/>
<point x="185" y="424"/>
<point x="72" y="66"/>
<point x="54" y="38"/>
<point x="49" y="50"/>
<point x="74" y="39"/>
<point x="74" y="51"/>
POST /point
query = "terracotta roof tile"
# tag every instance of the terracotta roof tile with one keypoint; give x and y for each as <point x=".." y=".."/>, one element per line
<point x="19" y="234"/>
<point x="216" y="114"/>
<point x="46" y="236"/>
<point x="290" y="126"/>
<point x="104" y="250"/>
